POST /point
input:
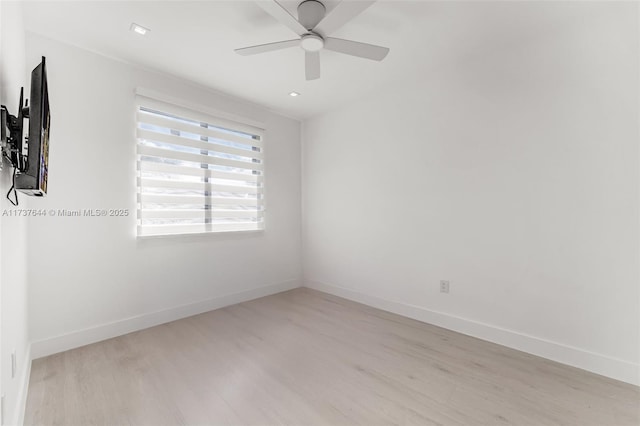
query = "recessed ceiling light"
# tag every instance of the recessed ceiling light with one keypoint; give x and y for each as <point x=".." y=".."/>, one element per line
<point x="294" y="94"/>
<point x="139" y="29"/>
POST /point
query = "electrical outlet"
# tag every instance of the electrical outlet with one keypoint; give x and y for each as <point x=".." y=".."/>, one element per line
<point x="13" y="364"/>
<point x="444" y="286"/>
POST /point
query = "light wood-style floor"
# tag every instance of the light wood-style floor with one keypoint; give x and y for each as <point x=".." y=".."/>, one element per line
<point x="308" y="358"/>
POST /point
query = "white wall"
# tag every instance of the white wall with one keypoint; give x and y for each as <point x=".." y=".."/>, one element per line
<point x="513" y="173"/>
<point x="13" y="230"/>
<point x="90" y="278"/>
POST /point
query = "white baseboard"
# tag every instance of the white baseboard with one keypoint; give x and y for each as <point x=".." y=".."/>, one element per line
<point x="597" y="363"/>
<point x="101" y="332"/>
<point x="21" y="400"/>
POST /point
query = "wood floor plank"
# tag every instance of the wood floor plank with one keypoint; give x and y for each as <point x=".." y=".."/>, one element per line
<point x="305" y="357"/>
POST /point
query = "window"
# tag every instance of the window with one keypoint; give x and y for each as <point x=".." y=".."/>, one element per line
<point x="196" y="173"/>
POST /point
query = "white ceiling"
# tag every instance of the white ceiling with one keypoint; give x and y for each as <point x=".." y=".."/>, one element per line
<point x="195" y="41"/>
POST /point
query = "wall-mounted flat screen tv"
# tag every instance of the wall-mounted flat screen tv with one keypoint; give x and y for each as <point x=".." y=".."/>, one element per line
<point x="34" y="180"/>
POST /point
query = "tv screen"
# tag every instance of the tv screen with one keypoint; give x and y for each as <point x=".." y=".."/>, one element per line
<point x="34" y="180"/>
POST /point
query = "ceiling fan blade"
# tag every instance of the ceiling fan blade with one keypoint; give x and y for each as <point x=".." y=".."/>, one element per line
<point x="355" y="48"/>
<point x="269" y="47"/>
<point x="273" y="8"/>
<point x="341" y="14"/>
<point x="312" y="65"/>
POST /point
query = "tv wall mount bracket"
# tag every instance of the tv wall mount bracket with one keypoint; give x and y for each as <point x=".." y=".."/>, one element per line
<point x="11" y="131"/>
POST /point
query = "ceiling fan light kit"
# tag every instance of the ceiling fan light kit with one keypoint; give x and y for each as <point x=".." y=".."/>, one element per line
<point x="311" y="42"/>
<point x="312" y="27"/>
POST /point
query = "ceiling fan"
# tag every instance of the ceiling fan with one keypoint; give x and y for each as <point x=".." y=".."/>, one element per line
<point x="312" y="27"/>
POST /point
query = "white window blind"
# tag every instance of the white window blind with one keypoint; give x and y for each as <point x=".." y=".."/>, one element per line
<point x="196" y="173"/>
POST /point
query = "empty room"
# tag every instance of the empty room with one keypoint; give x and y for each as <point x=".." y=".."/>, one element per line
<point x="320" y="212"/>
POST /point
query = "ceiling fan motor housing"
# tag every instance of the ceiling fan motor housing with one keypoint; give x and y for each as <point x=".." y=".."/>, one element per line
<point x="310" y="13"/>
